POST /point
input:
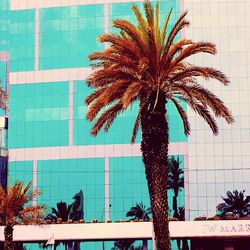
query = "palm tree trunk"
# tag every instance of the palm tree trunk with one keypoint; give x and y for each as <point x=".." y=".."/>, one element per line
<point x="8" y="238"/>
<point x="175" y="204"/>
<point x="154" y="149"/>
<point x="178" y="241"/>
<point x="144" y="244"/>
<point x="185" y="244"/>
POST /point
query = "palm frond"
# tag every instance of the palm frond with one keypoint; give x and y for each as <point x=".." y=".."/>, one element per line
<point x="183" y="115"/>
<point x="121" y="44"/>
<point x="111" y="57"/>
<point x="106" y="118"/>
<point x="200" y="47"/>
<point x="108" y="96"/>
<point x="111" y="75"/>
<point x="174" y="49"/>
<point x="204" y="112"/>
<point x="180" y="24"/>
<point x="133" y="32"/>
<point x="136" y="128"/>
<point x="157" y="32"/>
<point x="113" y="114"/>
<point x="205" y="72"/>
<point x="142" y="23"/>
<point x="149" y="12"/>
<point x="164" y="27"/>
<point x="206" y="97"/>
<point x="131" y="93"/>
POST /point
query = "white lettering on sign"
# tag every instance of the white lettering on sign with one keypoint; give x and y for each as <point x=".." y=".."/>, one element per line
<point x="243" y="227"/>
<point x="235" y="228"/>
<point x="209" y="228"/>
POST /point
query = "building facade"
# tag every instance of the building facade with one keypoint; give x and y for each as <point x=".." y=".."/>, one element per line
<point x="44" y="47"/>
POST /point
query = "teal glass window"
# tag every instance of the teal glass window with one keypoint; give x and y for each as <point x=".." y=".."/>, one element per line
<point x="21" y="40"/>
<point x="38" y="115"/>
<point x="68" y="35"/>
<point x="60" y="180"/>
<point x="119" y="132"/>
<point x="176" y="129"/>
<point x="128" y="186"/>
<point x="4" y="21"/>
<point x="21" y="171"/>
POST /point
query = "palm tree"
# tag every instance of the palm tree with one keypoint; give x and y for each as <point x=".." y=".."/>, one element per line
<point x="59" y="214"/>
<point x="63" y="213"/>
<point x="143" y="64"/>
<point x="175" y="180"/>
<point x="235" y="203"/>
<point x="140" y="212"/>
<point x="13" y="210"/>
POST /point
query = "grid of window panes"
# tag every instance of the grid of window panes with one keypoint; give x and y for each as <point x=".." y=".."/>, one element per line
<point x="218" y="164"/>
<point x="39" y="112"/>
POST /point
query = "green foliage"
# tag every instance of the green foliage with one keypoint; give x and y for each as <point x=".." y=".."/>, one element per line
<point x="235" y="202"/>
<point x="14" y="208"/>
<point x="139" y="212"/>
<point x="175" y="175"/>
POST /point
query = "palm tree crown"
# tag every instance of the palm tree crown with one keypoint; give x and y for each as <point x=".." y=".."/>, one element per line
<point x="143" y="62"/>
<point x="234" y="202"/>
<point x="175" y="175"/>
<point x="12" y="205"/>
<point x="139" y="212"/>
<point x="14" y="209"/>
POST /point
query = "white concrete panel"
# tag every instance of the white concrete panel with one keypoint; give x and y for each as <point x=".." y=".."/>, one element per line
<point x="54" y="75"/>
<point x="92" y="151"/>
<point x="34" y="4"/>
<point x="128" y="230"/>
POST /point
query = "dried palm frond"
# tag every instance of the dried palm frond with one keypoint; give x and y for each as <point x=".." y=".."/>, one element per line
<point x="12" y="205"/>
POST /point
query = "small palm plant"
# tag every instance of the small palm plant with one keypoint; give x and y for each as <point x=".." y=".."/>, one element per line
<point x="235" y="203"/>
<point x="139" y="212"/>
<point x="147" y="65"/>
<point x="175" y="180"/>
<point x="67" y="213"/>
<point x="59" y="214"/>
<point x="15" y="210"/>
